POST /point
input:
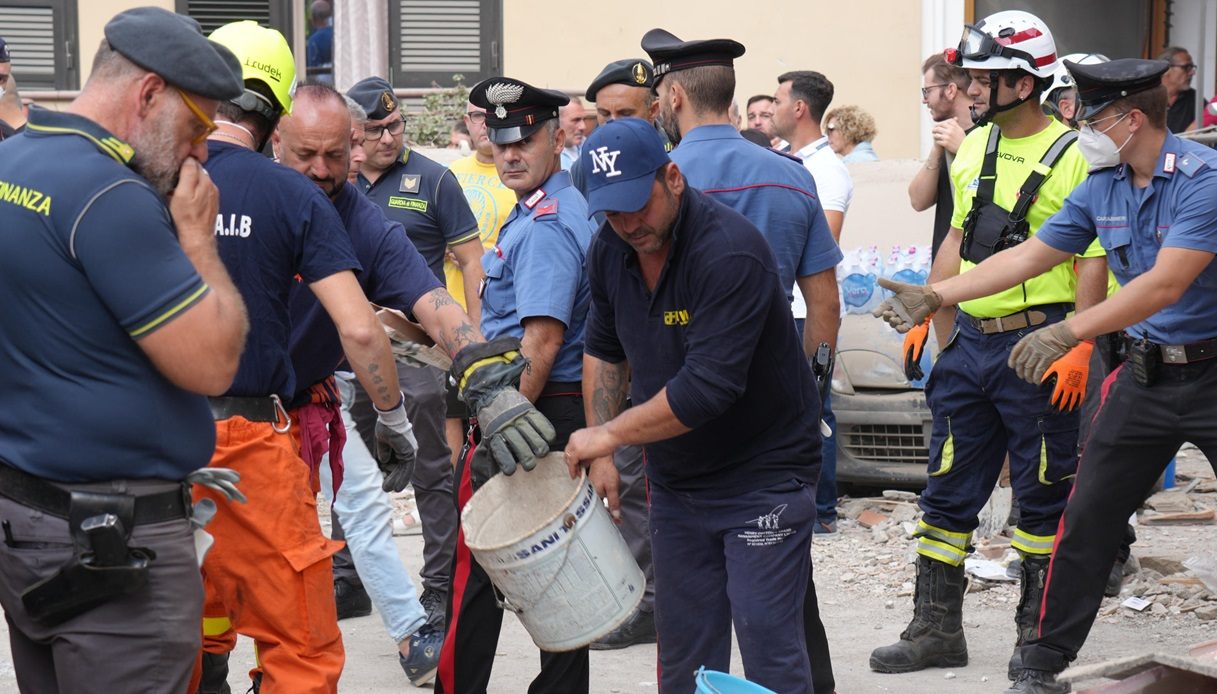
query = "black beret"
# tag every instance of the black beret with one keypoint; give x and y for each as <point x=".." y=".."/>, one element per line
<point x="376" y="96"/>
<point x="515" y="109"/>
<point x="4" y="56"/>
<point x="1101" y="84"/>
<point x="670" y="54"/>
<point x="634" y="72"/>
<point x="173" y="46"/>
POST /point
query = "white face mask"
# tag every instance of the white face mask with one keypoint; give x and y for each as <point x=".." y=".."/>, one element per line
<point x="1099" y="150"/>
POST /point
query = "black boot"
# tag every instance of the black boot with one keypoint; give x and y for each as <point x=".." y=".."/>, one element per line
<point x="1037" y="682"/>
<point x="935" y="636"/>
<point x="1032" y="573"/>
<point x="215" y="674"/>
<point x="351" y="599"/>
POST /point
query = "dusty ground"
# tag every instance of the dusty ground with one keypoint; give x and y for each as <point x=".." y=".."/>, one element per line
<point x="863" y="576"/>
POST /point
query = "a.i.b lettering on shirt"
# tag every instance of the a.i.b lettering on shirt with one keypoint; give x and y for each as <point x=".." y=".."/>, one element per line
<point x="237" y="225"/>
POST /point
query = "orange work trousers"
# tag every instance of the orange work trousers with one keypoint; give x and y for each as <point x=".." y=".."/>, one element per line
<point x="268" y="575"/>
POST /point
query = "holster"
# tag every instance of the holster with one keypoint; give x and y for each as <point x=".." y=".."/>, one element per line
<point x="990" y="229"/>
<point x="1144" y="358"/>
<point x="102" y="567"/>
<point x="1110" y="347"/>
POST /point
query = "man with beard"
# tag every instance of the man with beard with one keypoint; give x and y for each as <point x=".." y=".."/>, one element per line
<point x="695" y="81"/>
<point x="119" y="317"/>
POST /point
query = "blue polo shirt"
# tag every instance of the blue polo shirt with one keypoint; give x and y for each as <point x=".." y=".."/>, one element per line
<point x="89" y="265"/>
<point x="717" y="333"/>
<point x="394" y="275"/>
<point x="274" y="224"/>
<point x="774" y="191"/>
<point x="425" y="198"/>
<point x="537" y="270"/>
<point x="1177" y="210"/>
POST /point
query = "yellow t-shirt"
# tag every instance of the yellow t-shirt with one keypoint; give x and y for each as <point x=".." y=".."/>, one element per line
<point x="491" y="202"/>
<point x="1016" y="160"/>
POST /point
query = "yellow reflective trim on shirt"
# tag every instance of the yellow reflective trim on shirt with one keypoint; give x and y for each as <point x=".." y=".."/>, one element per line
<point x="170" y="313"/>
<point x="216" y="626"/>
<point x="947" y="459"/>
<point x="118" y="150"/>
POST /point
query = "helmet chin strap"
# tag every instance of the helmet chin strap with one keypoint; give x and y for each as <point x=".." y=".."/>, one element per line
<point x="982" y="119"/>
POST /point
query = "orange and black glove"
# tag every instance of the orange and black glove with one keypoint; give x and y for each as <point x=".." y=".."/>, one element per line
<point x="914" y="346"/>
<point x="1070" y="372"/>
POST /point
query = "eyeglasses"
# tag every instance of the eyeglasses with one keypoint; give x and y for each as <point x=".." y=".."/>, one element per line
<point x="371" y="133"/>
<point x="1186" y="67"/>
<point x="925" y="91"/>
<point x="478" y="117"/>
<point x="1089" y="124"/>
<point x="209" y="125"/>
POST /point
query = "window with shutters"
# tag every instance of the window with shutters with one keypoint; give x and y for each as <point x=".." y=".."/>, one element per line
<point x="432" y="40"/>
<point x="41" y="36"/>
<point x="212" y="14"/>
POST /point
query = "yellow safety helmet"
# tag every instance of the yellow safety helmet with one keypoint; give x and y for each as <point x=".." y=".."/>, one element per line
<point x="265" y="57"/>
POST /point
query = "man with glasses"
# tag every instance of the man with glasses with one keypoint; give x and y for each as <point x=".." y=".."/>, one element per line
<point x="1009" y="176"/>
<point x="944" y="92"/>
<point x="427" y="200"/>
<point x="1180" y="97"/>
<point x="119" y="317"/>
<point x="760" y="117"/>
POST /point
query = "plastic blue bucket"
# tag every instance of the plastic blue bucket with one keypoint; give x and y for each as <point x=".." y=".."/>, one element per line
<point x="714" y="682"/>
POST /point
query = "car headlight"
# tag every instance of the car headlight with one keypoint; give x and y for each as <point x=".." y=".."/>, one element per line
<point x="840" y="379"/>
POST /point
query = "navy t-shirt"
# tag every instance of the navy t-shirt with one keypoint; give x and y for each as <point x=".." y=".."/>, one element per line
<point x="274" y="225"/>
<point x="89" y="264"/>
<point x="425" y="198"/>
<point x="394" y="275"/>
<point x="716" y="332"/>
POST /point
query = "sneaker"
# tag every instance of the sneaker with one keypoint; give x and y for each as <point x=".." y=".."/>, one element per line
<point x="422" y="663"/>
<point x="825" y="527"/>
<point x="351" y="599"/>
<point x="435" y="602"/>
<point x="639" y="628"/>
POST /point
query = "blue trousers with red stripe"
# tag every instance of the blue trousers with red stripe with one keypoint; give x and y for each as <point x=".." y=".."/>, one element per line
<point x="1136" y="432"/>
<point x="474" y="617"/>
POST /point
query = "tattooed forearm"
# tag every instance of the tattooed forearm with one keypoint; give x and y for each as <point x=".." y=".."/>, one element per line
<point x="459" y="335"/>
<point x="608" y="392"/>
<point x="441" y="298"/>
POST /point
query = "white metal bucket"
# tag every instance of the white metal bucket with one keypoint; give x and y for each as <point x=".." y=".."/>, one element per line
<point x="551" y="548"/>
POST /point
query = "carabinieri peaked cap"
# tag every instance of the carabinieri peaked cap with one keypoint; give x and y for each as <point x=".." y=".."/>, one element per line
<point x="515" y="109"/>
<point x="1102" y="83"/>
<point x="173" y="46"/>
<point x="670" y="54"/>
<point x="632" y="72"/>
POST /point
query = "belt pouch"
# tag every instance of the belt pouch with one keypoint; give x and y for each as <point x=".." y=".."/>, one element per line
<point x="1144" y="358"/>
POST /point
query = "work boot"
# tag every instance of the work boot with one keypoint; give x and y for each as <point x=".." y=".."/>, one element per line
<point x="935" y="636"/>
<point x="1037" y="682"/>
<point x="351" y="599"/>
<point x="1115" y="579"/>
<point x="423" y="662"/>
<point x="435" y="602"/>
<point x="215" y="674"/>
<point x="1032" y="572"/>
<point x="639" y="628"/>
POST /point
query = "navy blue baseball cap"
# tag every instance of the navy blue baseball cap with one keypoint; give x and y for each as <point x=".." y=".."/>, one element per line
<point x="620" y="159"/>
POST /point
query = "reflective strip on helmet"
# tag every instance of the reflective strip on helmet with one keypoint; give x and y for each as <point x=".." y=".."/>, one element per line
<point x="1032" y="544"/>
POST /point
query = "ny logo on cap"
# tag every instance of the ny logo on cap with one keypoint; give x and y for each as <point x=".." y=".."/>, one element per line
<point x="499" y="94"/>
<point x="604" y="160"/>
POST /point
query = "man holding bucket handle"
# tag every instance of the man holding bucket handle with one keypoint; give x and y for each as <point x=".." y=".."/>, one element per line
<point x="686" y="301"/>
<point x="534" y="306"/>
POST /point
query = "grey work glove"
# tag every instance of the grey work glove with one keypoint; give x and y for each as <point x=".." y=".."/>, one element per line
<point x="414" y="354"/>
<point x="1033" y="354"/>
<point x="514" y="433"/>
<point x="396" y="447"/>
<point x="221" y="480"/>
<point x="909" y="306"/>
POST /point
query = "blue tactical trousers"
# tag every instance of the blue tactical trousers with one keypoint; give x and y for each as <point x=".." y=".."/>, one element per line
<point x="983" y="411"/>
<point x="742" y="560"/>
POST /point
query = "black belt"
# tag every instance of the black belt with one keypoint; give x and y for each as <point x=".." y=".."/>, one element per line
<point x="264" y="409"/>
<point x="48" y="497"/>
<point x="1184" y="354"/>
<point x="1036" y="315"/>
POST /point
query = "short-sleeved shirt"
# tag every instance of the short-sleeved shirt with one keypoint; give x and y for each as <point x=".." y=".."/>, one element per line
<point x="716" y="332"/>
<point x="491" y="202"/>
<point x="772" y="190"/>
<point x="424" y="197"/>
<point x="1133" y="224"/>
<point x="1182" y="113"/>
<point x="89" y="264"/>
<point x="1016" y="159"/>
<point x="834" y="187"/>
<point x="944" y="206"/>
<point x="394" y="275"/>
<point x="274" y="225"/>
<point x="537" y="270"/>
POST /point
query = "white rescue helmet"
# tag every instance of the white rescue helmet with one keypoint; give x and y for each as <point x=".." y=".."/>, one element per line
<point x="1061" y="78"/>
<point x="1007" y="40"/>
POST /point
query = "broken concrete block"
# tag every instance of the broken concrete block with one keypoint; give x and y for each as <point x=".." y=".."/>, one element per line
<point x="870" y="518"/>
<point x="1206" y="613"/>
<point x="899" y="495"/>
<point x="1170" y="501"/>
<point x="1165" y="566"/>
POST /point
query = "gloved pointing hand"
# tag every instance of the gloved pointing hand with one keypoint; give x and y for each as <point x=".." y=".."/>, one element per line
<point x="1071" y="372"/>
<point x="1033" y="354"/>
<point x="396" y="447"/>
<point x="910" y="305"/>
<point x="914" y="347"/>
